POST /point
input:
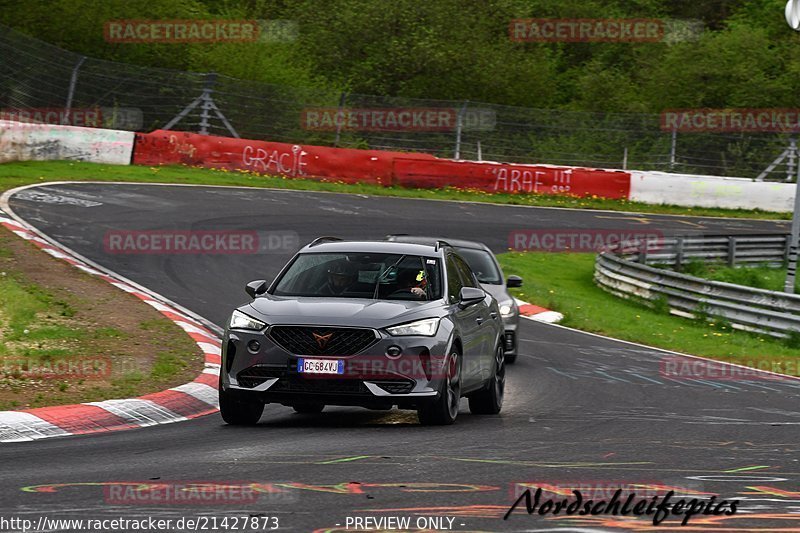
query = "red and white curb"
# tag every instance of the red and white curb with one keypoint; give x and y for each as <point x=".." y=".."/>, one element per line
<point x="190" y="400"/>
<point x="539" y="314"/>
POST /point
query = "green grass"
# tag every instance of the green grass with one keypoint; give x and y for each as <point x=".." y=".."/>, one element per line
<point x="21" y="303"/>
<point x="761" y="277"/>
<point x="563" y="282"/>
<point x="24" y="173"/>
<point x="167" y="365"/>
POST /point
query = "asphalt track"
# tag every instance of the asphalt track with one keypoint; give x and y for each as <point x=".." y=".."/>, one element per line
<point x="579" y="409"/>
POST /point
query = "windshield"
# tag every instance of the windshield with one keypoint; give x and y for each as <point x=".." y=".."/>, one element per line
<point x="362" y="275"/>
<point x="482" y="264"/>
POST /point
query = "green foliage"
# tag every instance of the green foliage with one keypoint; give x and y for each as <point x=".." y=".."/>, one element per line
<point x="450" y="49"/>
<point x="793" y="341"/>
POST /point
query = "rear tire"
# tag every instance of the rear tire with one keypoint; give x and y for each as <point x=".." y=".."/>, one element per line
<point x="309" y="408"/>
<point x="237" y="411"/>
<point x="511" y="358"/>
<point x="444" y="410"/>
<point x="490" y="400"/>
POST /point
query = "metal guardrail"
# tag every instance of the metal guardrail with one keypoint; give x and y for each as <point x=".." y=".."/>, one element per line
<point x="625" y="272"/>
<point x="734" y="250"/>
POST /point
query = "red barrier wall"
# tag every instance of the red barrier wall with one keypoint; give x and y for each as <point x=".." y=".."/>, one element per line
<point x="499" y="177"/>
<point x="373" y="166"/>
<point x="302" y="161"/>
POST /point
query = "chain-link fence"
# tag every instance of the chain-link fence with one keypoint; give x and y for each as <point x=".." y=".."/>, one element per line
<point x="35" y="75"/>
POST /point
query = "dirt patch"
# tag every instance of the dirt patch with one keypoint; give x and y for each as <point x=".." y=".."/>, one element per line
<point x="68" y="337"/>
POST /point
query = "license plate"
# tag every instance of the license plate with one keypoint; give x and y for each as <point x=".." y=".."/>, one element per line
<point x="320" y="366"/>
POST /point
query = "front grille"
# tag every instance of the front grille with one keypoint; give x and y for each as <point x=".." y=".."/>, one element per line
<point x="290" y="381"/>
<point x="320" y="386"/>
<point x="304" y="340"/>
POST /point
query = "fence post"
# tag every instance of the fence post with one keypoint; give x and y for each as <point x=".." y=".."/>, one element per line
<point x="732" y="251"/>
<point x="459" y="123"/>
<point x="208" y="88"/>
<point x="339" y="119"/>
<point x="679" y="254"/>
<point x="794" y="241"/>
<point x="73" y="80"/>
<point x="673" y="148"/>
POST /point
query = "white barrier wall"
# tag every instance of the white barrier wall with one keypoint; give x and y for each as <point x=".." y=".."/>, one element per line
<point x="710" y="191"/>
<point x="21" y="141"/>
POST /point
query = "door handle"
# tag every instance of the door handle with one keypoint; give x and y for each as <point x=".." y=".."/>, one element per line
<point x="493" y="315"/>
<point x="479" y="320"/>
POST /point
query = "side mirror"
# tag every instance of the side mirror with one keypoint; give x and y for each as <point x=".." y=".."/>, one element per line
<point x="470" y="296"/>
<point x="513" y="281"/>
<point x="256" y="288"/>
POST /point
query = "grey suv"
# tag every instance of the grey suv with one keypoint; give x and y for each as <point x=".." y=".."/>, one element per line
<point x="372" y="324"/>
<point x="484" y="263"/>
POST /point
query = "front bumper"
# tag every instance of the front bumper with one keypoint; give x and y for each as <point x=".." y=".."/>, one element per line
<point x="371" y="378"/>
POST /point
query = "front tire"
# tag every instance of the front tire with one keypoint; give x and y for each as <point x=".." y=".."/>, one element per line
<point x="444" y="410"/>
<point x="237" y="411"/>
<point x="490" y="400"/>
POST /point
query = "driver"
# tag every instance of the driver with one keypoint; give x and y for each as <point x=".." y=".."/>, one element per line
<point x="341" y="276"/>
<point x="408" y="282"/>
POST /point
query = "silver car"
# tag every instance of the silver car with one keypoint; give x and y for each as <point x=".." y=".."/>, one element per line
<point x="485" y="266"/>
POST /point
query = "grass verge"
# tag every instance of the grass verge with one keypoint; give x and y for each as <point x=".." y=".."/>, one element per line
<point x="563" y="282"/>
<point x="67" y="337"/>
<point x="25" y="173"/>
<point x="760" y="277"/>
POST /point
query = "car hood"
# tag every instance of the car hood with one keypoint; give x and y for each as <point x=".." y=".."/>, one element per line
<point x="339" y="311"/>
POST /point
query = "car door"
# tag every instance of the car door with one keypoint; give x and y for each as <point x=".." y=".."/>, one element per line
<point x="468" y="323"/>
<point x="484" y="317"/>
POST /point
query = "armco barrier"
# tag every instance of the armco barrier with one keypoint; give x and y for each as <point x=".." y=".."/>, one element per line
<point x="711" y="191"/>
<point x="500" y="177"/>
<point x="22" y="141"/>
<point x="625" y="274"/>
<point x="302" y="161"/>
<point x="373" y="166"/>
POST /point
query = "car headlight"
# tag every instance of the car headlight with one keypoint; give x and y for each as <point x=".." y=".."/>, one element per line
<point x="507" y="310"/>
<point x="240" y="320"/>
<point x="426" y="327"/>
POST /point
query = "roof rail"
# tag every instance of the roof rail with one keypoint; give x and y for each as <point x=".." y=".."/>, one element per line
<point x="440" y="243"/>
<point x="392" y="235"/>
<point x="320" y="240"/>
